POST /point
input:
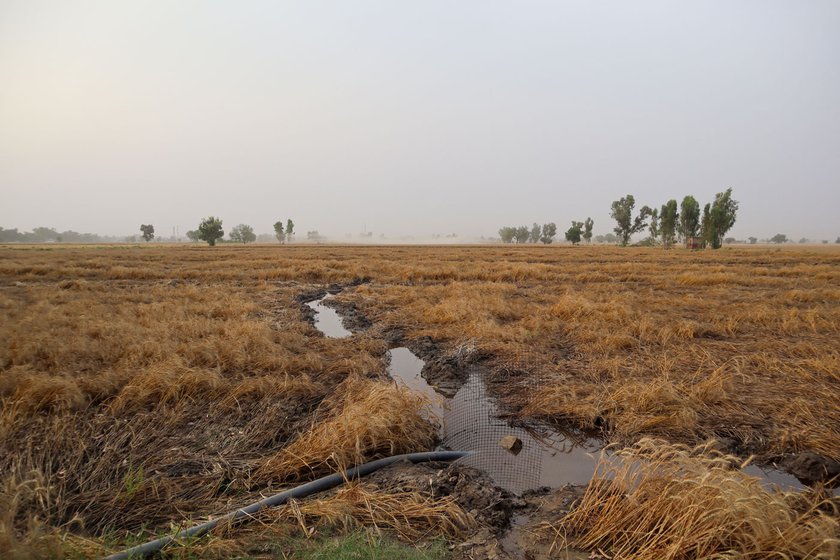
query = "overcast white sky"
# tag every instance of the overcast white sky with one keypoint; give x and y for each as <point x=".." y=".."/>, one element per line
<point x="416" y="117"/>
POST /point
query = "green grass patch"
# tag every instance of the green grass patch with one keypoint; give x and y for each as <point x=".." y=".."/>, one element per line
<point x="364" y="545"/>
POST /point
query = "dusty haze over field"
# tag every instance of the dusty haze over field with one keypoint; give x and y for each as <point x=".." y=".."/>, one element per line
<point x="421" y="118"/>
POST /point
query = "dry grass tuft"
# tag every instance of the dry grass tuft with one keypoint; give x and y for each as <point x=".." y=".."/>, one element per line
<point x="662" y="406"/>
<point x="30" y="393"/>
<point x="363" y="420"/>
<point x="164" y="384"/>
<point x="411" y="515"/>
<point x="659" y="501"/>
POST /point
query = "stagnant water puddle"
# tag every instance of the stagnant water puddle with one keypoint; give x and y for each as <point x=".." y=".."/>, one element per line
<point x="327" y="320"/>
<point x="469" y="421"/>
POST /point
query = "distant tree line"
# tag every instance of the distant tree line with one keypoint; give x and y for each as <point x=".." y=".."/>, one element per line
<point x="667" y="225"/>
<point x="50" y="235"/>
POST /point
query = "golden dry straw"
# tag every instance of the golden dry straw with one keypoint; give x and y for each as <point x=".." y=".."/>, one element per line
<point x="144" y="385"/>
<point x="662" y="501"/>
<point x="363" y="420"/>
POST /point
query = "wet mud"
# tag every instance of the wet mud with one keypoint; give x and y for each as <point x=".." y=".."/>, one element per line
<point x="812" y="468"/>
<point x="352" y="319"/>
<point x="509" y="526"/>
<point x="445" y="369"/>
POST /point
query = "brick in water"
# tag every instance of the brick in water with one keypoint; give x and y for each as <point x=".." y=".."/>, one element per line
<point x="511" y="443"/>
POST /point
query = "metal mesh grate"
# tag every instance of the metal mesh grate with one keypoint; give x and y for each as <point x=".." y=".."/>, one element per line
<point x="472" y="423"/>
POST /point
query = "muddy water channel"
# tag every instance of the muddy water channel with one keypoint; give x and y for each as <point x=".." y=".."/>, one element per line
<point x="470" y="421"/>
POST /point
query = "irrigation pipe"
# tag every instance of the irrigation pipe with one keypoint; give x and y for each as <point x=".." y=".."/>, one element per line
<point x="301" y="491"/>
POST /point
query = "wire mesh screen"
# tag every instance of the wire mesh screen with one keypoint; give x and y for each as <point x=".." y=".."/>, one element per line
<point x="473" y="421"/>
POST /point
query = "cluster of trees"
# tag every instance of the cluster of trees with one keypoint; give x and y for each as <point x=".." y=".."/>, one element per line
<point x="242" y="233"/>
<point x="524" y="234"/>
<point x="284" y="235"/>
<point x="210" y="230"/>
<point x="580" y="230"/>
<point x="668" y="223"/>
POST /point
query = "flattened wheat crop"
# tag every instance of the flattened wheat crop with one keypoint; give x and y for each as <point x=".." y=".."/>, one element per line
<point x="654" y="500"/>
<point x="143" y="386"/>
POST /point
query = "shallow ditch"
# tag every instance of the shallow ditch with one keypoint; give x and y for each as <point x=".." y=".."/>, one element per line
<point x="470" y="421"/>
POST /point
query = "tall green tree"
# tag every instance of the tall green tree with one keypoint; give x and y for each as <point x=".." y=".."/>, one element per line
<point x="626" y="225"/>
<point x="653" y="228"/>
<point x="668" y="223"/>
<point x="587" y="229"/>
<point x="535" y="233"/>
<point x="706" y="225"/>
<point x="689" y="222"/>
<point x="278" y="231"/>
<point x="721" y="217"/>
<point x="574" y="233"/>
<point x="549" y="230"/>
<point x="210" y="229"/>
<point x="148" y="232"/>
<point x="290" y="230"/>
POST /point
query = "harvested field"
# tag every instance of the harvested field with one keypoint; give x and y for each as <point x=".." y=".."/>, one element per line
<point x="143" y="386"/>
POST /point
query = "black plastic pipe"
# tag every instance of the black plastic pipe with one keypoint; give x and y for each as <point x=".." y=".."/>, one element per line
<point x="301" y="491"/>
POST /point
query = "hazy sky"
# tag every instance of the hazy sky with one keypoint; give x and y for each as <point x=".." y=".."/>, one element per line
<point x="416" y="117"/>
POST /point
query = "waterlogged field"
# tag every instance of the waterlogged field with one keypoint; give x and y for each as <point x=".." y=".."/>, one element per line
<point x="148" y="386"/>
